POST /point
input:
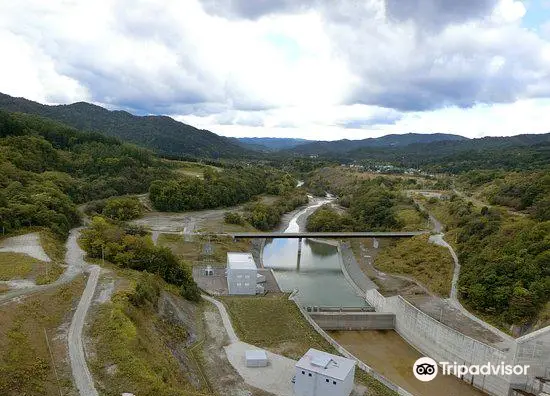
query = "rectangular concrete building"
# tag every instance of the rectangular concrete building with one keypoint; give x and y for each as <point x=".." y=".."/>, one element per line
<point x="323" y="374"/>
<point x="241" y="274"/>
<point x="256" y="358"/>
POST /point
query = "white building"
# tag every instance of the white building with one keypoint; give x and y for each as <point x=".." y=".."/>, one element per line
<point x="323" y="374"/>
<point x="241" y="273"/>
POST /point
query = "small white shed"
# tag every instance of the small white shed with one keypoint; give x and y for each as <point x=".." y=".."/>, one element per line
<point x="256" y="358"/>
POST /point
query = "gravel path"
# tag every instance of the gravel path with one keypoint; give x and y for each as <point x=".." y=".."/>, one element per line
<point x="225" y="318"/>
<point x="74" y="259"/>
<point x="81" y="374"/>
<point x="27" y="244"/>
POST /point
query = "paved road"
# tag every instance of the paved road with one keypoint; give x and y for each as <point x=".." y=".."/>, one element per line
<point x="81" y="374"/>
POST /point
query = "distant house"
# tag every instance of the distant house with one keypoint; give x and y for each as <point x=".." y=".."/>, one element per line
<point x="323" y="374"/>
<point x="241" y="274"/>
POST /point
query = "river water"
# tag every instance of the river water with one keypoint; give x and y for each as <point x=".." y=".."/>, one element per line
<point x="317" y="275"/>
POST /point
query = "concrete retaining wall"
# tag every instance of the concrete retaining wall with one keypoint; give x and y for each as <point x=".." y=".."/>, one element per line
<point x="354" y="320"/>
<point x="352" y="271"/>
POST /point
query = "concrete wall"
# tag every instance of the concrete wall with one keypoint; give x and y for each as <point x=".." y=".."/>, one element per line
<point x="534" y="350"/>
<point x="442" y="343"/>
<point x="354" y="320"/>
<point x="241" y="281"/>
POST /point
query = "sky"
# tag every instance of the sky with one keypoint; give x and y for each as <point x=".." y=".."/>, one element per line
<point x="314" y="69"/>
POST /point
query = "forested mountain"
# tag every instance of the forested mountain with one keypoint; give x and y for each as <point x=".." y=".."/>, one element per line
<point x="388" y="141"/>
<point x="519" y="152"/>
<point x="270" y="143"/>
<point x="160" y="133"/>
<point x="46" y="168"/>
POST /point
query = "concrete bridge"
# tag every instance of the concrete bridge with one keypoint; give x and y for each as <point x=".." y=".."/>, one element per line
<point x="337" y="235"/>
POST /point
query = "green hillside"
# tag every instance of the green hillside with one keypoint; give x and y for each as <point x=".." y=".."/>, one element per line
<point x="160" y="133"/>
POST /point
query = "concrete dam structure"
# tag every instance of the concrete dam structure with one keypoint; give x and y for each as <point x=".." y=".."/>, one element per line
<point x="354" y="320"/>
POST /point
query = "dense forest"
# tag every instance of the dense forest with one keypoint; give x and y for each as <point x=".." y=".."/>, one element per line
<point x="219" y="189"/>
<point x="47" y="168"/>
<point x="505" y="259"/>
<point x="368" y="203"/>
<point x="266" y="217"/>
<point x="521" y="191"/>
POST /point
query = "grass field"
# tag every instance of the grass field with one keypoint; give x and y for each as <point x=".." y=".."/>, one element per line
<point x="193" y="251"/>
<point x="190" y="168"/>
<point x="18" y="265"/>
<point x="275" y="323"/>
<point x="430" y="264"/>
<point x="22" y="266"/>
<point x="26" y="367"/>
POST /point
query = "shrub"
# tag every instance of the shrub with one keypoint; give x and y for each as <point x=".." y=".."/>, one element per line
<point x="233" y="218"/>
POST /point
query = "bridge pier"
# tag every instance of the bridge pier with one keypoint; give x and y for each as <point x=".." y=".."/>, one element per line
<point x="299" y="253"/>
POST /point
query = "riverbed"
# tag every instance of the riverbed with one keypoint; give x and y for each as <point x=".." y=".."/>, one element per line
<point x="388" y="354"/>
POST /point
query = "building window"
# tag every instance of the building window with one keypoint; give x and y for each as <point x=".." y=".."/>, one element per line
<point x="326" y="380"/>
<point x="303" y="372"/>
<point x="246" y="284"/>
<point x="239" y="276"/>
<point x="309" y="374"/>
<point x="239" y="284"/>
<point x="334" y="382"/>
<point x="247" y="276"/>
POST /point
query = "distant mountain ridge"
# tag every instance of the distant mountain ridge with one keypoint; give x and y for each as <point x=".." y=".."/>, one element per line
<point x="271" y="143"/>
<point x="388" y="141"/>
<point x="160" y="133"/>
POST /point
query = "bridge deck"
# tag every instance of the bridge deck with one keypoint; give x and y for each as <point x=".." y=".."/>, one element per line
<point x="340" y="235"/>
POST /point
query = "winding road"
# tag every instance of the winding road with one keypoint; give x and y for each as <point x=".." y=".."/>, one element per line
<point x="438" y="239"/>
<point x="74" y="259"/>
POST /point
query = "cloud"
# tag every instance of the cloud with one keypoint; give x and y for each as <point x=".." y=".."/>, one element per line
<point x="254" y="9"/>
<point x="307" y="67"/>
<point x="436" y="14"/>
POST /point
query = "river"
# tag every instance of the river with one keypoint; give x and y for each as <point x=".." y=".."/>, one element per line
<point x="320" y="282"/>
<point x="317" y="276"/>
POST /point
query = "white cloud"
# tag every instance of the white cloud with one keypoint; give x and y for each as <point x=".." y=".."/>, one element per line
<point x="321" y="70"/>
